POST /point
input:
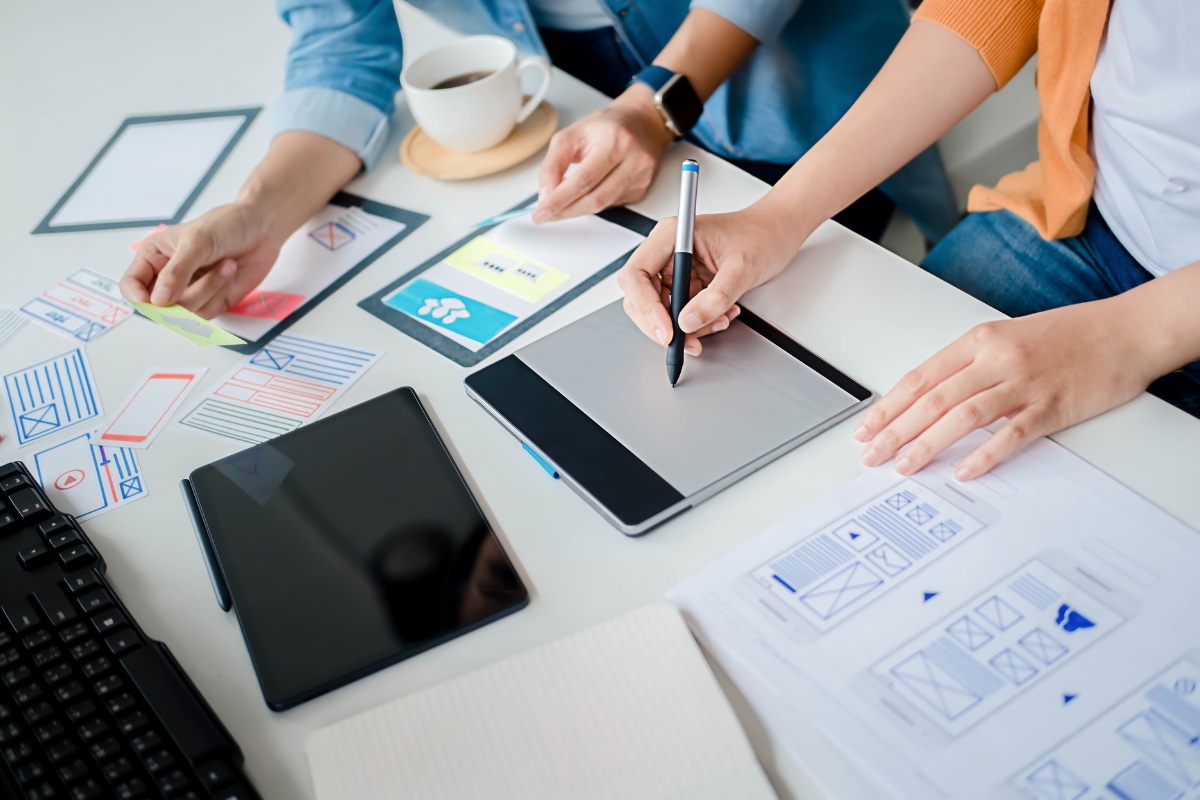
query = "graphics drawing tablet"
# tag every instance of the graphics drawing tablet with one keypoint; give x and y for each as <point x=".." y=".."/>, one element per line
<point x="593" y="401"/>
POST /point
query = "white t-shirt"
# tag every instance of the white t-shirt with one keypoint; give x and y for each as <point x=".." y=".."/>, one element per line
<point x="1146" y="130"/>
<point x="569" y="15"/>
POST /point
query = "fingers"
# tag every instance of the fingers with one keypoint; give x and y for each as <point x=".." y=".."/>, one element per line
<point x="1019" y="431"/>
<point x="973" y="413"/>
<point x="715" y="300"/>
<point x="643" y="290"/>
<point x="611" y="191"/>
<point x="913" y="386"/>
<point x="563" y="152"/>
<point x="137" y="280"/>
<point x="594" y="168"/>
<point x="955" y="396"/>
<point x="195" y="250"/>
<point x="206" y="297"/>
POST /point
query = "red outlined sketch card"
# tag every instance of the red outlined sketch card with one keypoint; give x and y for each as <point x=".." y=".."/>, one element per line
<point x="148" y="407"/>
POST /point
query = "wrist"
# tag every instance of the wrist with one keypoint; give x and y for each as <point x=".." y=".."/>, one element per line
<point x="637" y="102"/>
<point x="786" y="219"/>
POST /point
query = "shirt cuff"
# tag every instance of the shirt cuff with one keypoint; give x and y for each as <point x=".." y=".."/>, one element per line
<point x="762" y="19"/>
<point x="339" y="116"/>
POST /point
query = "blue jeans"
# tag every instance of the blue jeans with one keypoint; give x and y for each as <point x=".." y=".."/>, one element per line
<point x="1001" y="259"/>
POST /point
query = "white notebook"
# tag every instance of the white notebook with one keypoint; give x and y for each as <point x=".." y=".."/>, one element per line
<point x="628" y="709"/>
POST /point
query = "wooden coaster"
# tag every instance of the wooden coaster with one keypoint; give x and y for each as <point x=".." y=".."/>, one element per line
<point x="422" y="154"/>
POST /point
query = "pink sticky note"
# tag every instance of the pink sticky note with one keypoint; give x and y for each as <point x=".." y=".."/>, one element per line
<point x="133" y="248"/>
<point x="268" y="305"/>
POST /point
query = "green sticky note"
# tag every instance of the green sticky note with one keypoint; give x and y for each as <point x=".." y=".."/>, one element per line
<point x="178" y="319"/>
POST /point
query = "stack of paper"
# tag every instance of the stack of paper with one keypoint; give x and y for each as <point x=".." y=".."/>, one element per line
<point x="625" y="709"/>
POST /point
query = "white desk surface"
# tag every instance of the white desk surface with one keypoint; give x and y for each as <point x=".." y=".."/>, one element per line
<point x="75" y="69"/>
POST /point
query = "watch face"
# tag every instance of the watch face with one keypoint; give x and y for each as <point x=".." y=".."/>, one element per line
<point x="680" y="102"/>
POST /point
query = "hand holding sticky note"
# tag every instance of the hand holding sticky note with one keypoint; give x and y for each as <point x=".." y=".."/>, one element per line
<point x="178" y="319"/>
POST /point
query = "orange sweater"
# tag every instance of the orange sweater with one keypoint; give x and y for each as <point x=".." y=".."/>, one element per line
<point x="1051" y="194"/>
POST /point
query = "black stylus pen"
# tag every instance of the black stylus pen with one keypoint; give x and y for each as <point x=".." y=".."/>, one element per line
<point x="681" y="280"/>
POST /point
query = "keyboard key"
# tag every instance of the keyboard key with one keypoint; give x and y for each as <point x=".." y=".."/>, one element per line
<point x="87" y="790"/>
<point x="5" y="712"/>
<point x="93" y="729"/>
<point x="56" y="524"/>
<point x="44" y="792"/>
<point x="109" y="621"/>
<point x="94" y="601"/>
<point x="94" y="669"/>
<point x="106" y="749"/>
<point x="107" y="686"/>
<point x="73" y="771"/>
<point x="11" y="468"/>
<point x="16" y="676"/>
<point x="172" y="782"/>
<point x="55" y="605"/>
<point x="118" y="769"/>
<point x="236" y="792"/>
<point x="160" y="762"/>
<point x="9" y="732"/>
<point x="5" y="638"/>
<point x="37" y="639"/>
<point x="28" y="503"/>
<point x="147" y="742"/>
<point x="76" y="556"/>
<point x="13" y="482"/>
<point x="49" y="732"/>
<point x="181" y="712"/>
<point x="21" y="616"/>
<point x="8" y="523"/>
<point x="38" y="712"/>
<point x="85" y="649"/>
<point x="121" y="643"/>
<point x="73" y="632"/>
<point x="16" y="753"/>
<point x="48" y="656"/>
<point x="214" y="774"/>
<point x="81" y="711"/>
<point x="58" y="674"/>
<point x="34" y="556"/>
<point x="66" y="694"/>
<point x="10" y="656"/>
<point x="60" y="751"/>
<point x="133" y="723"/>
<point x="120" y="704"/>
<point x="131" y="789"/>
<point x="27" y="694"/>
<point x="82" y="582"/>
<point x="31" y="773"/>
<point x="64" y="539"/>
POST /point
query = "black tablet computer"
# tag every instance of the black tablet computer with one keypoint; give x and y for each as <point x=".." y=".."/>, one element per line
<point x="348" y="545"/>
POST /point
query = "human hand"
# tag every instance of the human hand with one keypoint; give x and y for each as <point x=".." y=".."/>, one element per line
<point x="1043" y="372"/>
<point x="206" y="265"/>
<point x="618" y="150"/>
<point x="732" y="253"/>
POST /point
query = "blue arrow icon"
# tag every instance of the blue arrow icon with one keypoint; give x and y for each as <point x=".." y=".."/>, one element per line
<point x="854" y="535"/>
<point x="930" y="595"/>
<point x="1068" y="698"/>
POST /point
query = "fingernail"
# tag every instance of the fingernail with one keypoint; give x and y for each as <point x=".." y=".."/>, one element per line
<point x="962" y="474"/>
<point x="861" y="433"/>
<point x="689" y="322"/>
<point x="869" y="456"/>
<point x="662" y="336"/>
<point x="692" y="350"/>
<point x="540" y="216"/>
<point x="903" y="465"/>
<point x="719" y="326"/>
<point x="161" y="296"/>
<point x="542" y="192"/>
<point x="228" y="269"/>
<point x="733" y="313"/>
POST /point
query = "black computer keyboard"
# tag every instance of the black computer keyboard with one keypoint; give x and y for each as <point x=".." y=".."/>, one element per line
<point x="90" y="707"/>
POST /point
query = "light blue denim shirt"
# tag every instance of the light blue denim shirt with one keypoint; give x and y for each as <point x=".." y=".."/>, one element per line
<point x="815" y="58"/>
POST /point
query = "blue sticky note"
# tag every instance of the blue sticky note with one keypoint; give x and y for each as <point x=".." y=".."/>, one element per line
<point x="450" y="311"/>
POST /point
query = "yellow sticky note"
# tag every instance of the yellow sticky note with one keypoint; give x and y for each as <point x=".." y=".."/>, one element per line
<point x="196" y="330"/>
<point x="508" y="270"/>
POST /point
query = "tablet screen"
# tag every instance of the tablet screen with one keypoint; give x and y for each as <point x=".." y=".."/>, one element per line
<point x="350" y="544"/>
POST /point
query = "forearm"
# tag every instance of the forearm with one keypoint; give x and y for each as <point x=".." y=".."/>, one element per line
<point x="299" y="174"/>
<point x="931" y="81"/>
<point x="1164" y="315"/>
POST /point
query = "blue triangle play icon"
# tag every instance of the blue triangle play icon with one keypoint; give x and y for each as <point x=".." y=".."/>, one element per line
<point x="930" y="595"/>
<point x="854" y="535"/>
<point x="1068" y="698"/>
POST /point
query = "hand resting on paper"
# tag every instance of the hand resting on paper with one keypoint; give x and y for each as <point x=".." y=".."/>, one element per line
<point x="209" y="264"/>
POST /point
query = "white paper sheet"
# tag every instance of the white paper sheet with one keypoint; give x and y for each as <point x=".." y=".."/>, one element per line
<point x="86" y="481"/>
<point x="289" y="383"/>
<point x="976" y="671"/>
<point x="11" y="321"/>
<point x="52" y="395"/>
<point x="626" y="709"/>
<point x="324" y="249"/>
<point x="149" y="171"/>
<point x="149" y="407"/>
<point x="82" y="306"/>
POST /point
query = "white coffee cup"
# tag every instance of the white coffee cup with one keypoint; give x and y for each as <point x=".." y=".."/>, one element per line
<point x="476" y="115"/>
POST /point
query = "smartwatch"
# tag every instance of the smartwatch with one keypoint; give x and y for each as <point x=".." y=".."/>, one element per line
<point x="674" y="97"/>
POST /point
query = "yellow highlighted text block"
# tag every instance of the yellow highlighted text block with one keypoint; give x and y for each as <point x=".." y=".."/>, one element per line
<point x="506" y="269"/>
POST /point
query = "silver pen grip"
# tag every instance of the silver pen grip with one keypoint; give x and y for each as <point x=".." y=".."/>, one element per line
<point x="685" y="227"/>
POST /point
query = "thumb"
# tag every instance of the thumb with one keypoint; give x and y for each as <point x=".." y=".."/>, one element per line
<point x="195" y="250"/>
<point x="564" y="151"/>
<point x="717" y="298"/>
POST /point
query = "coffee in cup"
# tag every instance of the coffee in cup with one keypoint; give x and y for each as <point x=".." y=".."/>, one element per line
<point x="466" y="95"/>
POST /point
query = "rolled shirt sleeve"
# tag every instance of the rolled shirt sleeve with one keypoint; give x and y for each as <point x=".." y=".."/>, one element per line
<point x="343" y="72"/>
<point x="762" y="19"/>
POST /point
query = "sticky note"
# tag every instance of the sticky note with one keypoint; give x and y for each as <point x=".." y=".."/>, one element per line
<point x="178" y="319"/>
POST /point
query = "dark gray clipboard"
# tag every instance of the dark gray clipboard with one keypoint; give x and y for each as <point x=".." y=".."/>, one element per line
<point x="411" y="220"/>
<point x="457" y="353"/>
<point x="249" y="113"/>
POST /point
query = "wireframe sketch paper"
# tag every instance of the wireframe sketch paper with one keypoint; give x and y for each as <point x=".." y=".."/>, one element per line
<point x="150" y="405"/>
<point x="51" y="396"/>
<point x="85" y="481"/>
<point x="1050" y="653"/>
<point x="177" y="319"/>
<point x="150" y="172"/>
<point x="82" y="306"/>
<point x="11" y="321"/>
<point x="289" y="383"/>
<point x="626" y="709"/>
